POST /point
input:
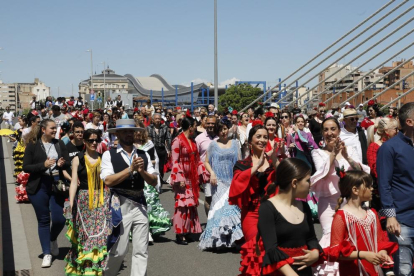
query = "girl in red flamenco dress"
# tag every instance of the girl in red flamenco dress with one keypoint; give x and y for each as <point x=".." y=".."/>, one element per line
<point x="357" y="242"/>
<point x="188" y="172"/>
<point x="251" y="177"/>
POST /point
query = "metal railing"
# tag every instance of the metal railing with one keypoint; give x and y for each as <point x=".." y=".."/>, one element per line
<point x="325" y="50"/>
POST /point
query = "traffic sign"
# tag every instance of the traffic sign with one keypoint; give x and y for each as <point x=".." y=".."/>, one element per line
<point x="92" y="97"/>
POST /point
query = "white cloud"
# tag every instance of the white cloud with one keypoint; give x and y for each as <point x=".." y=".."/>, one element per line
<point x="229" y="81"/>
<point x="211" y="83"/>
<point x="195" y="81"/>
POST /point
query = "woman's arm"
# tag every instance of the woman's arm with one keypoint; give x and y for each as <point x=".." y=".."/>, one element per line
<point x="28" y="160"/>
<point x="74" y="182"/>
<point x="213" y="177"/>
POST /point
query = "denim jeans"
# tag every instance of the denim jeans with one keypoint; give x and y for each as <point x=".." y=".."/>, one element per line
<point x="403" y="258"/>
<point x="45" y="204"/>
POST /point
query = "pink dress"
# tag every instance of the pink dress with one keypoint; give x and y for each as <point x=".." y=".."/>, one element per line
<point x="186" y="167"/>
<point x="324" y="183"/>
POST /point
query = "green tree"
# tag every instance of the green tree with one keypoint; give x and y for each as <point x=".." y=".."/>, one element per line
<point x="238" y="96"/>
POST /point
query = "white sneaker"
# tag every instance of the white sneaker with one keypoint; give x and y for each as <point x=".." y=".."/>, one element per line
<point x="54" y="249"/>
<point x="150" y="239"/>
<point x="47" y="260"/>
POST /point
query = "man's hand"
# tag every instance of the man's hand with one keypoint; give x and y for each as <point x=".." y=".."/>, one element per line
<point x="393" y="227"/>
<point x="60" y="162"/>
<point x="140" y="165"/>
<point x="134" y="164"/>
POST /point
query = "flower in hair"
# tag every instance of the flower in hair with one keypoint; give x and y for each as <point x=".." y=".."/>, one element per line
<point x="188" y="114"/>
<point x="340" y="171"/>
<point x="371" y="103"/>
<point x="269" y="114"/>
<point x="322" y="104"/>
<point x="257" y="122"/>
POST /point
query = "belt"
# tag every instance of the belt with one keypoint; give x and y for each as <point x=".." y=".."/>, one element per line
<point x="133" y="193"/>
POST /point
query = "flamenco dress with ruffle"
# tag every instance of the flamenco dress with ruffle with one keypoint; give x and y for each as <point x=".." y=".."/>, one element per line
<point x="223" y="227"/>
<point x="349" y="234"/>
<point x="187" y="168"/>
<point x="18" y="153"/>
<point x="158" y="217"/>
<point x="246" y="191"/>
<point x="91" y="224"/>
<point x="284" y="240"/>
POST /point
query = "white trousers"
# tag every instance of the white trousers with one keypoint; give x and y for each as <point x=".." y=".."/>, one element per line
<point x="134" y="218"/>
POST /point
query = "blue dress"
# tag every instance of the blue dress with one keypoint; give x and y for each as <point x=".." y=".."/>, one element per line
<point x="224" y="220"/>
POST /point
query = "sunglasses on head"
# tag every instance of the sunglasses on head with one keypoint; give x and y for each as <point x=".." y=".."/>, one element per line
<point x="93" y="140"/>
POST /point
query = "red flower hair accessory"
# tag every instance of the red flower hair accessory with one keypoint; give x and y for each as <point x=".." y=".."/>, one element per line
<point x="322" y="104"/>
<point x="188" y="114"/>
<point x="371" y="103"/>
<point x="340" y="172"/>
<point x="269" y="114"/>
<point x="257" y="122"/>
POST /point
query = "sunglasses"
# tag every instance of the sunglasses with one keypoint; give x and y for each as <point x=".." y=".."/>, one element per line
<point x="93" y="140"/>
<point x="322" y="111"/>
<point x="353" y="119"/>
<point x="284" y="117"/>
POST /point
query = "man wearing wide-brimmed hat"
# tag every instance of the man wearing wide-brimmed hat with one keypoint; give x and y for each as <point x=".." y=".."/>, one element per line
<point x="125" y="169"/>
<point x="354" y="136"/>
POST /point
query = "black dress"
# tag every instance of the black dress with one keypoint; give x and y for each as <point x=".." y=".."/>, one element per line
<point x="283" y="240"/>
<point x="316" y="130"/>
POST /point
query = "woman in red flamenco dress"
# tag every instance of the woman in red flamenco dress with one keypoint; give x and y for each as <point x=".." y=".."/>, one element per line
<point x="187" y="173"/>
<point x="251" y="178"/>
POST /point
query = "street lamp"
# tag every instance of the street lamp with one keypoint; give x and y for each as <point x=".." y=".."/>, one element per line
<point x="104" y="92"/>
<point x="91" y="92"/>
<point x="215" y="57"/>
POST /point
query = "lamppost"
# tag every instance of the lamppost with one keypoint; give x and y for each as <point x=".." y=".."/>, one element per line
<point x="215" y="57"/>
<point x="104" y="92"/>
<point x="91" y="91"/>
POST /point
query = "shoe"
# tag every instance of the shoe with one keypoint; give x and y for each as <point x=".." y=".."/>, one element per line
<point x="54" y="249"/>
<point x="47" y="260"/>
<point x="150" y="239"/>
<point x="180" y="240"/>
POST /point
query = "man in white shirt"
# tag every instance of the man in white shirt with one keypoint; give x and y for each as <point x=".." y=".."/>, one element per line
<point x="109" y="103"/>
<point x="149" y="106"/>
<point x="8" y="117"/>
<point x="354" y="136"/>
<point x="125" y="170"/>
<point x="33" y="103"/>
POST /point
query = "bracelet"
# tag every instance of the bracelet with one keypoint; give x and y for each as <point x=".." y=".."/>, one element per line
<point x="359" y="258"/>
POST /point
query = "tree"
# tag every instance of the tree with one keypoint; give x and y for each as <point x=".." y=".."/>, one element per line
<point x="238" y="96"/>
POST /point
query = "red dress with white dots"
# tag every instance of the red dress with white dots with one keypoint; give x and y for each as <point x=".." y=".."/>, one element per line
<point x="187" y="168"/>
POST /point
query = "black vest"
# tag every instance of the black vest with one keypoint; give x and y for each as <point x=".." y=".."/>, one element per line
<point x="119" y="103"/>
<point x="119" y="164"/>
<point x="364" y="144"/>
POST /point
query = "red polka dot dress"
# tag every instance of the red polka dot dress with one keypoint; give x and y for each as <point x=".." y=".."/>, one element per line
<point x="187" y="168"/>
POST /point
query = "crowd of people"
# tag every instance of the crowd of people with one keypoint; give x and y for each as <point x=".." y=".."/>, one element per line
<point x="267" y="174"/>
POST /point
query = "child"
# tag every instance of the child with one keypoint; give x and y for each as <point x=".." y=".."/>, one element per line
<point x="357" y="242"/>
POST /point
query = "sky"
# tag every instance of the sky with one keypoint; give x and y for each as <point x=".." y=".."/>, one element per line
<point x="258" y="40"/>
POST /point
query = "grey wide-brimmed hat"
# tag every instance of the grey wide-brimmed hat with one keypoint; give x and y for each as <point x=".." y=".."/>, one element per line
<point x="125" y="124"/>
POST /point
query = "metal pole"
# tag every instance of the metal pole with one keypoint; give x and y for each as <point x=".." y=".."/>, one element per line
<point x="297" y="92"/>
<point x="363" y="53"/>
<point x="202" y="95"/>
<point x="192" y="97"/>
<point x="391" y="86"/>
<point x="208" y="95"/>
<point x="375" y="82"/>
<point x="397" y="99"/>
<point x="151" y="96"/>
<point x="91" y="92"/>
<point x="162" y="96"/>
<point x="215" y="57"/>
<point x="104" y="92"/>
<point x="329" y="47"/>
<point x="176" y="96"/>
<point x="356" y="81"/>
<point x="372" y="70"/>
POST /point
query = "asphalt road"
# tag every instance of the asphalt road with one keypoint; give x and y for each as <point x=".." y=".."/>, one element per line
<point x="165" y="256"/>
